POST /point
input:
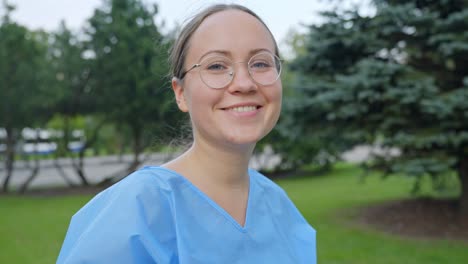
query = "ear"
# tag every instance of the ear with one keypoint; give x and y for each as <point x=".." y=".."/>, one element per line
<point x="179" y="94"/>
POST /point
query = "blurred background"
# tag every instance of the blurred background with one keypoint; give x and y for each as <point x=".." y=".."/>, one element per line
<point x="372" y="144"/>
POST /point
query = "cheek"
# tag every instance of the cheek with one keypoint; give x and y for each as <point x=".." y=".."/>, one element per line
<point x="200" y="100"/>
<point x="275" y="96"/>
<point x="194" y="101"/>
<point x="276" y="99"/>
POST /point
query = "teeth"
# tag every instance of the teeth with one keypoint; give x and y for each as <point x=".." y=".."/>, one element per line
<point x="244" y="108"/>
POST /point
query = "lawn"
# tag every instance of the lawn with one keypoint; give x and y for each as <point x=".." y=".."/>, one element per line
<point x="32" y="229"/>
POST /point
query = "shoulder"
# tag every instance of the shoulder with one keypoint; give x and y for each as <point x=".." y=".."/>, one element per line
<point x="278" y="200"/>
<point x="265" y="183"/>
<point x="145" y="190"/>
<point x="157" y="177"/>
<point x="148" y="181"/>
<point x="124" y="217"/>
<point x="271" y="193"/>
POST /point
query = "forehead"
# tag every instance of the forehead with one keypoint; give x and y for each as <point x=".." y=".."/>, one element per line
<point x="233" y="31"/>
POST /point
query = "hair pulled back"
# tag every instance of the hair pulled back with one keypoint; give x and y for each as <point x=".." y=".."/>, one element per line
<point x="180" y="48"/>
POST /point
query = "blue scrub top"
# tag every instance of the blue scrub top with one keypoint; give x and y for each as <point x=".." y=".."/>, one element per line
<point x="156" y="215"/>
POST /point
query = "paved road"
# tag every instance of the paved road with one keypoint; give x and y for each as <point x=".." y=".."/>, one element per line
<point x="96" y="169"/>
<point x="100" y="168"/>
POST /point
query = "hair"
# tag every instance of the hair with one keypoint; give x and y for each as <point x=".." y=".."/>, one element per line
<point x="180" y="48"/>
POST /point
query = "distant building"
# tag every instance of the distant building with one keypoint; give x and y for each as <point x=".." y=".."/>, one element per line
<point x="43" y="141"/>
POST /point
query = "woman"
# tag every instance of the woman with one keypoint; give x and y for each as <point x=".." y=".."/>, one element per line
<point x="206" y="206"/>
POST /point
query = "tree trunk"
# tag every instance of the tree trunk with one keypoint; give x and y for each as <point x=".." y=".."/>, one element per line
<point x="34" y="173"/>
<point x="463" y="176"/>
<point x="121" y="143"/>
<point x="79" y="168"/>
<point x="66" y="136"/>
<point x="137" y="149"/>
<point x="62" y="173"/>
<point x="35" y="169"/>
<point x="79" y="165"/>
<point x="9" y="157"/>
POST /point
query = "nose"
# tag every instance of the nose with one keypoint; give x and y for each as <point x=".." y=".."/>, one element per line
<point x="242" y="82"/>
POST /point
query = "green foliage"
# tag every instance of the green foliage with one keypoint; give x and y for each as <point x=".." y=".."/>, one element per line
<point x="129" y="57"/>
<point x="72" y="74"/>
<point x="56" y="122"/>
<point x="398" y="78"/>
<point x="113" y="73"/>
<point x="24" y="76"/>
<point x="24" y="84"/>
<point x="72" y="83"/>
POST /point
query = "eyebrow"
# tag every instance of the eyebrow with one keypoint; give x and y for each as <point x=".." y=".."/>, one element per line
<point x="228" y="53"/>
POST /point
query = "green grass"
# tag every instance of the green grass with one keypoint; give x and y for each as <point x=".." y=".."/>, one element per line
<point x="32" y="229"/>
<point x="339" y="241"/>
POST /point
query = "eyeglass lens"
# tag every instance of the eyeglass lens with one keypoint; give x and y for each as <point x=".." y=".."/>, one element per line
<point x="218" y="71"/>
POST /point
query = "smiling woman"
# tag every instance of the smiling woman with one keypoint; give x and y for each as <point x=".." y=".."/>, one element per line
<point x="205" y="206"/>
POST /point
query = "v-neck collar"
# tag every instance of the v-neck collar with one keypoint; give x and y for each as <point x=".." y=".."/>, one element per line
<point x="216" y="206"/>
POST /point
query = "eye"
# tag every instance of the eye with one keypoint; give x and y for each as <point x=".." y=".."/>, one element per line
<point x="260" y="64"/>
<point x="216" y="67"/>
<point x="216" y="64"/>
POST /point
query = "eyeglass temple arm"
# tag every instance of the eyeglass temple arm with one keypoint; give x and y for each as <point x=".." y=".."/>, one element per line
<point x="191" y="68"/>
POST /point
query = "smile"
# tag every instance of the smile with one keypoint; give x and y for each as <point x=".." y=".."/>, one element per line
<point x="241" y="109"/>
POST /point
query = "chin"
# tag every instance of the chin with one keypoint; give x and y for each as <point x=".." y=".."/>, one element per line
<point x="245" y="138"/>
<point x="243" y="142"/>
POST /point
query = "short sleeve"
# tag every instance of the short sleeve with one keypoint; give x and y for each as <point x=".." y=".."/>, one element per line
<point x="128" y="223"/>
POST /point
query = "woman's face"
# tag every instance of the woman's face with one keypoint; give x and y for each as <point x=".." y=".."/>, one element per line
<point x="242" y="112"/>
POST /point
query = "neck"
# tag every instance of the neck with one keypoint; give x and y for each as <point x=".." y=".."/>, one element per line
<point x="223" y="165"/>
<point x="209" y="166"/>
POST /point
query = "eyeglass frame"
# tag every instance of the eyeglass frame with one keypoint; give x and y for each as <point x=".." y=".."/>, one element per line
<point x="233" y="72"/>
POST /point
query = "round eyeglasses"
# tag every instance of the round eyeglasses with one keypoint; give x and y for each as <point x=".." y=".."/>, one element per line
<point x="218" y="71"/>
